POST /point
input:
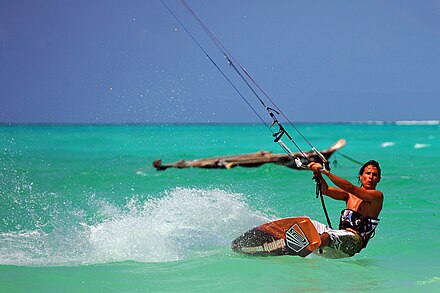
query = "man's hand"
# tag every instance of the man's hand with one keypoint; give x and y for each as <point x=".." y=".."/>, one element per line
<point x="315" y="167"/>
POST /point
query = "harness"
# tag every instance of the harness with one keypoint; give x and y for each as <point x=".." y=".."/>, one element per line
<point x="362" y="225"/>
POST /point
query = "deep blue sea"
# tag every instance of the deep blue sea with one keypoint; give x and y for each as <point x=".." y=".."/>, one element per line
<point x="83" y="210"/>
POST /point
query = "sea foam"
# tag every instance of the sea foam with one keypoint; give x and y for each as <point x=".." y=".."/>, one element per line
<point x="179" y="224"/>
<point x="387" y="144"/>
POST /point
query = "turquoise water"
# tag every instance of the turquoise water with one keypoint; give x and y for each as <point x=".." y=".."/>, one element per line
<point x="82" y="210"/>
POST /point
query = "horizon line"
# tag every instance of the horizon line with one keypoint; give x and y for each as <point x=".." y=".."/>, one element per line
<point x="369" y="122"/>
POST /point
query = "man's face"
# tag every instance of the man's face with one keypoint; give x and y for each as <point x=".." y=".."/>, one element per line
<point x="370" y="177"/>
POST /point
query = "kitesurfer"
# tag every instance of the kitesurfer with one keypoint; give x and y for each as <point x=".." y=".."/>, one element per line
<point x="363" y="205"/>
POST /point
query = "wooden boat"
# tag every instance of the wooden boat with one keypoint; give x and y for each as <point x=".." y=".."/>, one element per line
<point x="250" y="160"/>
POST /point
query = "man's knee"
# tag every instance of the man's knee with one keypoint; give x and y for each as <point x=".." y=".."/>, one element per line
<point x="325" y="239"/>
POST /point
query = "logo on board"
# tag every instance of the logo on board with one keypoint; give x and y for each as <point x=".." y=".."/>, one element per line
<point x="296" y="238"/>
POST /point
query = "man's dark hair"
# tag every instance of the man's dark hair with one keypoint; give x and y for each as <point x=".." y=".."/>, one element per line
<point x="372" y="163"/>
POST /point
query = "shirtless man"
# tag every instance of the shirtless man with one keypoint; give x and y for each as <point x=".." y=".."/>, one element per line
<point x="363" y="205"/>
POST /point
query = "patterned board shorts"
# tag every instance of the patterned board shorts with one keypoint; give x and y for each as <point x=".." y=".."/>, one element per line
<point x="343" y="243"/>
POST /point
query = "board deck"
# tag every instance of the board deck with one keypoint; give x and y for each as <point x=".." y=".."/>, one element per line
<point x="289" y="236"/>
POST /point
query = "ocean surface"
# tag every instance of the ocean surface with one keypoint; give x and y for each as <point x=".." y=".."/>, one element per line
<point x="83" y="210"/>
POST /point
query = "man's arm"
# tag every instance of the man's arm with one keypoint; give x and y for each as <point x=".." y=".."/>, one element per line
<point x="335" y="193"/>
<point x="345" y="187"/>
<point x="372" y="195"/>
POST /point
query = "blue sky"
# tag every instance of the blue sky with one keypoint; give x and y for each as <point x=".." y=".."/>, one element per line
<point x="130" y="61"/>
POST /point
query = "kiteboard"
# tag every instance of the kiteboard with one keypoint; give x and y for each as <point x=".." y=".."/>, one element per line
<point x="294" y="236"/>
<point x="289" y="236"/>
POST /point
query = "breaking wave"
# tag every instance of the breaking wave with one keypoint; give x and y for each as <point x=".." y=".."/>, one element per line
<point x="421" y="145"/>
<point x="387" y="144"/>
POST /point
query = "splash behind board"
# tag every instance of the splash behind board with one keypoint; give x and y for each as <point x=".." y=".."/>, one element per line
<point x="289" y="236"/>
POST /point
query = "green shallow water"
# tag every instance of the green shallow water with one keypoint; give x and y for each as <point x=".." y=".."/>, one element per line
<point x="82" y="210"/>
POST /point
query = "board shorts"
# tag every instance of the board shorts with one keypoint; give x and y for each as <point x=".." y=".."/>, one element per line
<point x="343" y="243"/>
